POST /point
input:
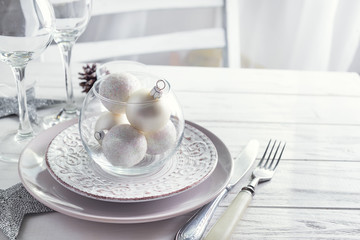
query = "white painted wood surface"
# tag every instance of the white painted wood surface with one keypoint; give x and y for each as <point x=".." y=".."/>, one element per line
<point x="232" y="18"/>
<point x="196" y="39"/>
<point x="315" y="193"/>
<point x="102" y="7"/>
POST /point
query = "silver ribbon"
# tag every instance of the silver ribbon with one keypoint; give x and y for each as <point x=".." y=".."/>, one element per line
<point x="9" y="105"/>
<point x="15" y="203"/>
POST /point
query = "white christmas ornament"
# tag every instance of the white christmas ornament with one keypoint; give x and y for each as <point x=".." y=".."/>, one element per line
<point x="124" y="146"/>
<point x="105" y="122"/>
<point x="162" y="140"/>
<point x="118" y="87"/>
<point x="146" y="113"/>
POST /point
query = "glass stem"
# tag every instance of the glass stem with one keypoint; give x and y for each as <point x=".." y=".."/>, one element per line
<point x="65" y="48"/>
<point x="25" y="130"/>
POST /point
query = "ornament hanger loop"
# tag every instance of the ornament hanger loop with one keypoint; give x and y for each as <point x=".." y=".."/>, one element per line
<point x="160" y="84"/>
<point x="157" y="90"/>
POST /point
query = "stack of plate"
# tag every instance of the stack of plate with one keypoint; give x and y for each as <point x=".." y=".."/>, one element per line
<point x="56" y="170"/>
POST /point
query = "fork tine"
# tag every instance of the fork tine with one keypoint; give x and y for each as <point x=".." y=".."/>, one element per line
<point x="272" y="160"/>
<point x="269" y="156"/>
<point x="278" y="160"/>
<point x="263" y="157"/>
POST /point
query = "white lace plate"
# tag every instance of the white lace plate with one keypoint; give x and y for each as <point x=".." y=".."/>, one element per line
<point x="69" y="163"/>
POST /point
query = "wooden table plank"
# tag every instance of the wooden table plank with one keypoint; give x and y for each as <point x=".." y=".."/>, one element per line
<point x="219" y="80"/>
<point x="225" y="80"/>
<point x="304" y="141"/>
<point x="269" y="108"/>
<point x="262" y="81"/>
<point x="273" y="223"/>
<point x="308" y="184"/>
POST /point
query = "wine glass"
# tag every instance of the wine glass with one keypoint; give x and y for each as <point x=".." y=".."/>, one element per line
<point x="25" y="28"/>
<point x="71" y="19"/>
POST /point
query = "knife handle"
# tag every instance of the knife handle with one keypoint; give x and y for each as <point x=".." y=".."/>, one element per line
<point x="195" y="227"/>
<point x="224" y="227"/>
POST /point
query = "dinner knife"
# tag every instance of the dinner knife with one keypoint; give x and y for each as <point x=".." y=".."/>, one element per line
<point x="194" y="228"/>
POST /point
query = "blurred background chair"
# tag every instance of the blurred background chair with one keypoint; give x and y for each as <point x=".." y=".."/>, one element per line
<point x="160" y="32"/>
<point x="303" y="35"/>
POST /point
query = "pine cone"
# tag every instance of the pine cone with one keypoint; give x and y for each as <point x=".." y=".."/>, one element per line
<point x="88" y="77"/>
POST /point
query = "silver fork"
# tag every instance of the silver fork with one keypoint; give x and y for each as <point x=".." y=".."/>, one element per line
<point x="262" y="173"/>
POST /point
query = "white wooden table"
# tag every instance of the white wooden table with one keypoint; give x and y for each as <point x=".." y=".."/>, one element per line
<point x="315" y="193"/>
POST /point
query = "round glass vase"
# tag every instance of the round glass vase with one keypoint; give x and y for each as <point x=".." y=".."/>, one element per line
<point x="132" y="137"/>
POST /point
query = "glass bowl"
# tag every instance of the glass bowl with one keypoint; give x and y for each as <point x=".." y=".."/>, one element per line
<point x="131" y="122"/>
